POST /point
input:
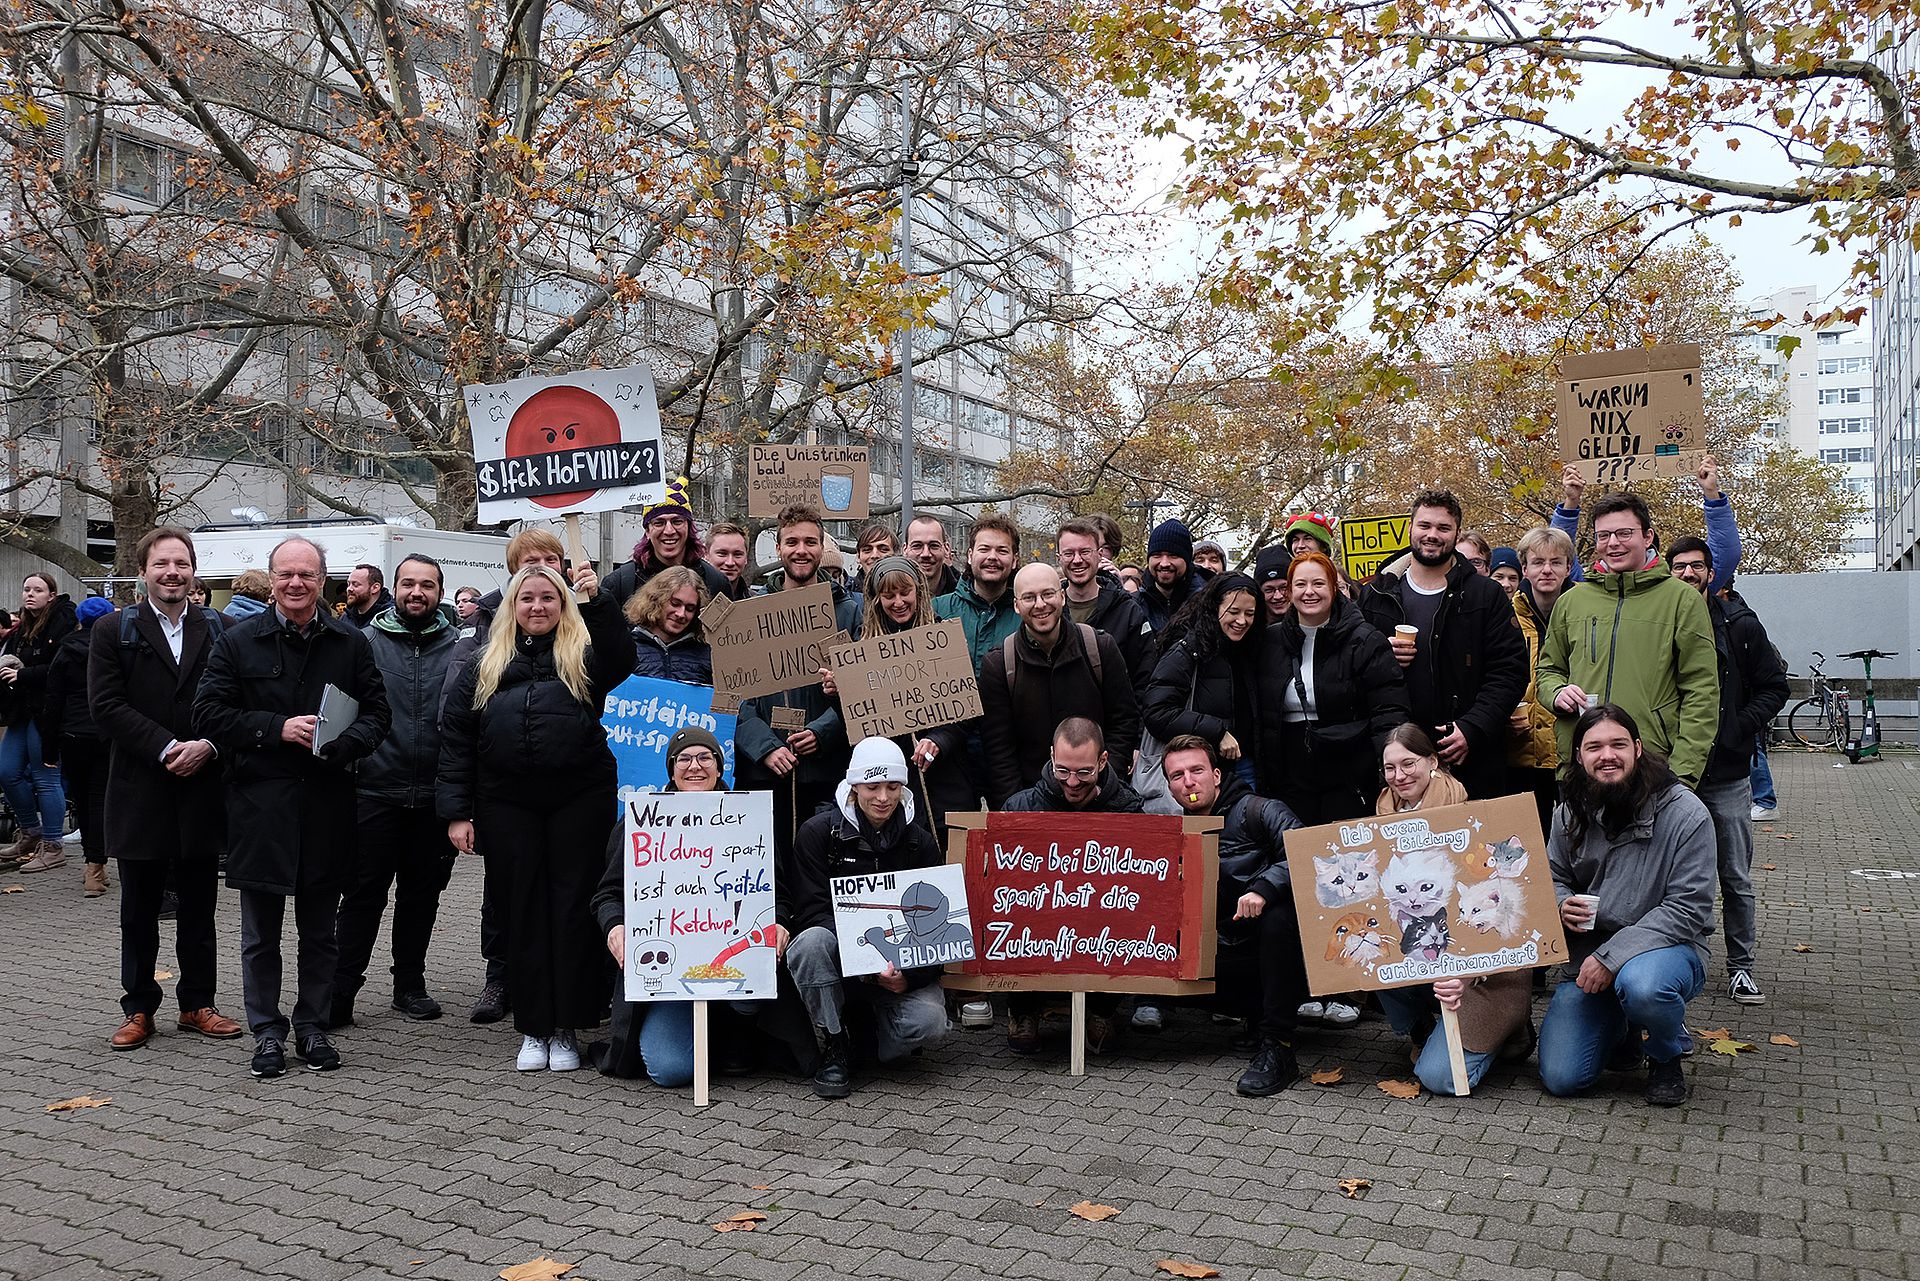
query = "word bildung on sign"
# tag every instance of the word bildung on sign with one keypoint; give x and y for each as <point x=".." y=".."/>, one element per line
<point x="580" y="442"/>
<point x="905" y="681"/>
<point x="699" y="896"/>
<point x="1632" y="415"/>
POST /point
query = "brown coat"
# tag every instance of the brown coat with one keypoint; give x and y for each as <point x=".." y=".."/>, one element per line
<point x="1537" y="749"/>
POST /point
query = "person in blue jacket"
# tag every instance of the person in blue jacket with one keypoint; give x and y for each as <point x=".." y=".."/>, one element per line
<point x="1723" y="531"/>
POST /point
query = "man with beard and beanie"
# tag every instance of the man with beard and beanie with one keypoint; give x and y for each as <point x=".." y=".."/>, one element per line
<point x="1096" y="597"/>
<point x="403" y="842"/>
<point x="1632" y="855"/>
<point x="366" y="596"/>
<point x="1171" y="577"/>
<point x="1258" y="962"/>
<point x="800" y="767"/>
<point x="1753" y="689"/>
<point x="290" y="808"/>
<point x="1466" y="661"/>
<point x="1077" y="778"/>
<point x="1270" y="572"/>
<point x="870" y="830"/>
<point x="670" y="539"/>
<point x="167" y="820"/>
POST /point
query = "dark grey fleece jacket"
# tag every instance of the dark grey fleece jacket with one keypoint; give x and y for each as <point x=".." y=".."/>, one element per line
<point x="1655" y="880"/>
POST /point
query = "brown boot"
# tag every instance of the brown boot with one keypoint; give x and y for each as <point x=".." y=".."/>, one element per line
<point x="21" y="850"/>
<point x="52" y="854"/>
<point x="96" y="882"/>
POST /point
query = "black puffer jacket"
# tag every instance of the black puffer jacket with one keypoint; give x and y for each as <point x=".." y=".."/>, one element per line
<point x="23" y="700"/>
<point x="686" y="658"/>
<point x="1359" y="695"/>
<point x="1045" y="797"/>
<point x="64" y="708"/>
<point x="1753" y="685"/>
<point x="534" y="737"/>
<point x="413" y="665"/>
<point x="1253" y="851"/>
<point x="1209" y="697"/>
<point x="1119" y="613"/>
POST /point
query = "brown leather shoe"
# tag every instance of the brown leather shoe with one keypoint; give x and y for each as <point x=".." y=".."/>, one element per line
<point x="208" y="1021"/>
<point x="134" y="1033"/>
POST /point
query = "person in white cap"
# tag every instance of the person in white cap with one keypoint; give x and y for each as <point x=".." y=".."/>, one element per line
<point x="870" y="830"/>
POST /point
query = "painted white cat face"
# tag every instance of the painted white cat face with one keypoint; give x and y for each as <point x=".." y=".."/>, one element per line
<point x="1418" y="884"/>
<point x="1493" y="907"/>
<point x="1346" y="878"/>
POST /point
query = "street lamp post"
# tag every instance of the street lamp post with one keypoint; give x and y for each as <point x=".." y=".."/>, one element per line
<point x="909" y="173"/>
<point x="1147" y="507"/>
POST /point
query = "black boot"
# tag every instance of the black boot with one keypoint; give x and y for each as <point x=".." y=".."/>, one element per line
<point x="833" y="1079"/>
<point x="1273" y="1069"/>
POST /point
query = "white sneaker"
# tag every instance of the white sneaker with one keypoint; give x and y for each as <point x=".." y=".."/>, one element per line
<point x="1312" y="1010"/>
<point x="533" y="1055"/>
<point x="1340" y="1014"/>
<point x="563" y="1052"/>
<point x="976" y="1014"/>
<point x="1761" y="813"/>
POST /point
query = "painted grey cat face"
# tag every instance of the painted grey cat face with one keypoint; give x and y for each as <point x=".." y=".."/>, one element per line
<point x="1346" y="878"/>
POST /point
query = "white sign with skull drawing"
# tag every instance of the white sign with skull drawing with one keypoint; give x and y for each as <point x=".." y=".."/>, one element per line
<point x="699" y="896"/>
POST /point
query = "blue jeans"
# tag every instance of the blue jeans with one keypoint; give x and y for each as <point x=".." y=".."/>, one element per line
<point x="1407" y="1010"/>
<point x="32" y="786"/>
<point x="1651" y="991"/>
<point x="1760" y="775"/>
<point x="666" y="1043"/>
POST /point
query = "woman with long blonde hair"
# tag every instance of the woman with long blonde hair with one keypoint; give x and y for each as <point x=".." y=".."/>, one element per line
<point x="526" y="777"/>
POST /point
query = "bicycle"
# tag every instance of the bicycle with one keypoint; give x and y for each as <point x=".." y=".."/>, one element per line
<point x="1868" y="745"/>
<point x="1821" y="722"/>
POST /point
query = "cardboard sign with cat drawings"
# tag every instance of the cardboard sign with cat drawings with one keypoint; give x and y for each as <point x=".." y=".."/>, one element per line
<point x="1453" y="892"/>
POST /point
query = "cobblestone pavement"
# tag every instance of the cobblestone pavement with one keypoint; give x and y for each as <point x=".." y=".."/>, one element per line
<point x="427" y="1156"/>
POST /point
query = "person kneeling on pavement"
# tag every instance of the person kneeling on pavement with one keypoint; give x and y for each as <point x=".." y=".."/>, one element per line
<point x="1258" y="965"/>
<point x="870" y="830"/>
<point x="1633" y="867"/>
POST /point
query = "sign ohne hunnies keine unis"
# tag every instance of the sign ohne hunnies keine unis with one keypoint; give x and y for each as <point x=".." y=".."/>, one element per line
<point x="909" y="920"/>
<point x="764" y="644"/>
<point x="699" y="896"/>
<point x="580" y="442"/>
<point x="1631" y="415"/>
<point x="906" y="681"/>
<point x="1453" y="892"/>
<point x="833" y="478"/>
<point x="1088" y="902"/>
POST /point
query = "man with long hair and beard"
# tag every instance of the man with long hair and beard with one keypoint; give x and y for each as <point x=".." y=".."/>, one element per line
<point x="1633" y="864"/>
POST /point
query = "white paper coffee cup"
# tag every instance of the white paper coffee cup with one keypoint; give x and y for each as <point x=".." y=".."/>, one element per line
<point x="1407" y="630"/>
<point x="1593" y="903"/>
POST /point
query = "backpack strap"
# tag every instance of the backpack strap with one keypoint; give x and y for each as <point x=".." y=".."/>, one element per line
<point x="1091" y="640"/>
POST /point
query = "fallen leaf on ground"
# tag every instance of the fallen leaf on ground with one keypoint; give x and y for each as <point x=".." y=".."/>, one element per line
<point x="161" y="976"/>
<point x="81" y="1101"/>
<point x="729" y="1225"/>
<point x="14" y="889"/>
<point x="1714" y="1033"/>
<point x="1092" y="1212"/>
<point x="1332" y="1076"/>
<point x="1781" y="1038"/>
<point x="540" y="1269"/>
<point x="1181" y="1268"/>
<point x="1783" y="836"/>
<point x="741" y="1222"/>
<point x="1355" y="1188"/>
<point x="760" y="1187"/>
<point x="1730" y="1047"/>
<point x="1803" y="947"/>
<point x="1769" y="867"/>
<point x="1400" y="1089"/>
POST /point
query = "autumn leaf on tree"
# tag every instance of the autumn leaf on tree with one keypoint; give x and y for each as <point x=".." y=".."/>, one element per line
<point x="1181" y="1268"/>
<point x="81" y="1101"/>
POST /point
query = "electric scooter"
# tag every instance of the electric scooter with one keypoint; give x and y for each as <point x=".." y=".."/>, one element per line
<point x="1867" y="746"/>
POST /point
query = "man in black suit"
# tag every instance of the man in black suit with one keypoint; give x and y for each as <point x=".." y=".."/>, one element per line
<point x="167" y="813"/>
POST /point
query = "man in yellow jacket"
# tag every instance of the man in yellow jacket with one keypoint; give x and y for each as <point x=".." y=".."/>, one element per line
<point x="1636" y="637"/>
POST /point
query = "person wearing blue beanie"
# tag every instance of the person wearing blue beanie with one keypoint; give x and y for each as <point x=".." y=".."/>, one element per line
<point x="1171" y="578"/>
<point x="1504" y="568"/>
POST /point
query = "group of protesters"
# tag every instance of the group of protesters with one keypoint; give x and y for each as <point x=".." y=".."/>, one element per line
<point x="337" y="759"/>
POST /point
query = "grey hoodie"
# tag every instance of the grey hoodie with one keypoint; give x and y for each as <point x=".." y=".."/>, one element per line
<point x="1655" y="882"/>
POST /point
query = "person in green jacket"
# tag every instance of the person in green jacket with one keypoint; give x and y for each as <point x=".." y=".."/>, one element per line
<point x="1634" y="636"/>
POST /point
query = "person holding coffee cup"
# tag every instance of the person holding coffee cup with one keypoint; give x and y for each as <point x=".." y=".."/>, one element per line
<point x="1634" y="869"/>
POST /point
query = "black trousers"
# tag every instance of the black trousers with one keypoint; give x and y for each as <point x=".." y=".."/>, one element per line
<point x="142" y="883"/>
<point x="315" y="914"/>
<point x="83" y="764"/>
<point x="1262" y="976"/>
<point x="404" y="849"/>
<point x="557" y="958"/>
<point x="496" y="890"/>
<point x="1545" y="787"/>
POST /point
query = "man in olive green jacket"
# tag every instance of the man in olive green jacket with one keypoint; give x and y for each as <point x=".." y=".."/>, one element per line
<point x="1638" y="638"/>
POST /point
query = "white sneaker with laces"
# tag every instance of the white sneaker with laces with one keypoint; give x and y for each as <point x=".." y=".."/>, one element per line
<point x="976" y="1014"/>
<point x="1762" y="813"/>
<point x="563" y="1052"/>
<point x="1148" y="1018"/>
<point x="1312" y="1010"/>
<point x="533" y="1054"/>
<point x="1340" y="1014"/>
<point x="1742" y="988"/>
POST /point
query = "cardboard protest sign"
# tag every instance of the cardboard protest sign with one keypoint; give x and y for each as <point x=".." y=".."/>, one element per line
<point x="699" y="894"/>
<point x="1368" y="542"/>
<point x="640" y="718"/>
<point x="905" y="681"/>
<point x="904" y="919"/>
<point x="580" y="442"/>
<point x="1630" y="415"/>
<point x="1088" y="902"/>
<point x="1453" y="892"/>
<point x="764" y="644"/>
<point x="833" y="478"/>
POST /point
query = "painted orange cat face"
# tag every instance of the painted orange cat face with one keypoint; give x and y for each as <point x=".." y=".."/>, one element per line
<point x="1357" y="940"/>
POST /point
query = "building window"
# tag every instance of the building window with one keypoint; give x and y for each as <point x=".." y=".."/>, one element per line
<point x="1845" y="426"/>
<point x="136" y="169"/>
<point x="1843" y="395"/>
<point x="1846" y="365"/>
<point x="1855" y="454"/>
<point x="1828" y="338"/>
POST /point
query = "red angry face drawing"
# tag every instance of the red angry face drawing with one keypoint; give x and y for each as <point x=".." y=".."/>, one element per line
<point x="561" y="418"/>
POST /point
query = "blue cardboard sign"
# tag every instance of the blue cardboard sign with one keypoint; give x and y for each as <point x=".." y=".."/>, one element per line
<point x="640" y="717"/>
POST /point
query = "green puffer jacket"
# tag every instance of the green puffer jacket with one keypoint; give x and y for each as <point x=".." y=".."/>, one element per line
<point x="1643" y="640"/>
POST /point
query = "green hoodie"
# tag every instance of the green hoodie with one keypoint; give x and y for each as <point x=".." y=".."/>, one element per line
<point x="1642" y="640"/>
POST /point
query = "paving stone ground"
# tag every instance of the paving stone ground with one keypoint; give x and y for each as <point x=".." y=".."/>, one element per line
<point x="427" y="1156"/>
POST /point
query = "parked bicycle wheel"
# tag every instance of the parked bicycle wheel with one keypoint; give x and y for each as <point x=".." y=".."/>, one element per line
<point x="1817" y="725"/>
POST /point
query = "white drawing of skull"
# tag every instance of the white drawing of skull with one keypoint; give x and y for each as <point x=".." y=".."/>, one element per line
<point x="653" y="963"/>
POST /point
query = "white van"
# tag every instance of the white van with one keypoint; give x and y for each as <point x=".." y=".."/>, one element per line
<point x="466" y="560"/>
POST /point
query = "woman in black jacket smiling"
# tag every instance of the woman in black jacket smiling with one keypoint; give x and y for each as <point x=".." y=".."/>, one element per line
<point x="1330" y="693"/>
<point x="525" y="770"/>
<point x="1207" y="680"/>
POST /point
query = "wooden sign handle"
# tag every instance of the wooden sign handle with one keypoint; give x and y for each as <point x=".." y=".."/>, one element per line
<point x="1456" y="1053"/>
<point x="1077" y="1052"/>
<point x="576" y="545"/>
<point x="702" y="1060"/>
